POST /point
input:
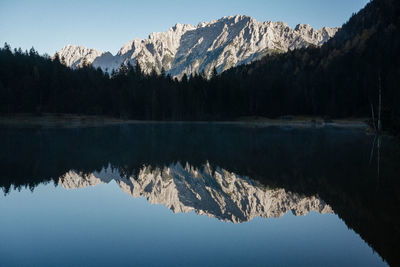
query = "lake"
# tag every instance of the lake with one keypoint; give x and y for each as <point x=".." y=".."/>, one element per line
<point x="198" y="194"/>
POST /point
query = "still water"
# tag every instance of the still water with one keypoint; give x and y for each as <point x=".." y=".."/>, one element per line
<point x="198" y="194"/>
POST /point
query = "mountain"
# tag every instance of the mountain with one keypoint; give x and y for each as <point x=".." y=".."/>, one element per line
<point x="342" y="78"/>
<point x="77" y="56"/>
<point x="217" y="193"/>
<point x="224" y="43"/>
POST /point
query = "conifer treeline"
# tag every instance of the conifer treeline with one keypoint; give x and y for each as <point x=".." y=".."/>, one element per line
<point x="341" y="79"/>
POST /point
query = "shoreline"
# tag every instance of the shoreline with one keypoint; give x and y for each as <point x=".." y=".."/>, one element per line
<point x="75" y="121"/>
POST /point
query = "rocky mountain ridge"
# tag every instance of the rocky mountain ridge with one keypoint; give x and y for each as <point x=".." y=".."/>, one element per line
<point x="187" y="49"/>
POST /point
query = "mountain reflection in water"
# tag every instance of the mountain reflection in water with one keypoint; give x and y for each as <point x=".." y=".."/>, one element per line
<point x="233" y="172"/>
<point x="220" y="194"/>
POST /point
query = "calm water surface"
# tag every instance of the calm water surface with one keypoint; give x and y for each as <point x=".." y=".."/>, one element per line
<point x="154" y="194"/>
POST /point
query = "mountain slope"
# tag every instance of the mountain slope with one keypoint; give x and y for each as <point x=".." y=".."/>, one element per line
<point x="220" y="44"/>
<point x="340" y="79"/>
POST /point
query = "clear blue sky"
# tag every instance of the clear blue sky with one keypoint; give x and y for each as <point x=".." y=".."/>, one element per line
<point x="48" y="25"/>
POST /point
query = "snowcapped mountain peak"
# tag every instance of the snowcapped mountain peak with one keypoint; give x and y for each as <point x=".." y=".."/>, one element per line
<point x="302" y="26"/>
<point x="131" y="45"/>
<point x="187" y="49"/>
<point x="74" y="55"/>
<point x="202" y="24"/>
<point x="182" y="27"/>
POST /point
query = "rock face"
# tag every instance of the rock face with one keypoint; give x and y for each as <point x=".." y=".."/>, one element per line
<point x="77" y="56"/>
<point x="220" y="44"/>
<point x="219" y="193"/>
